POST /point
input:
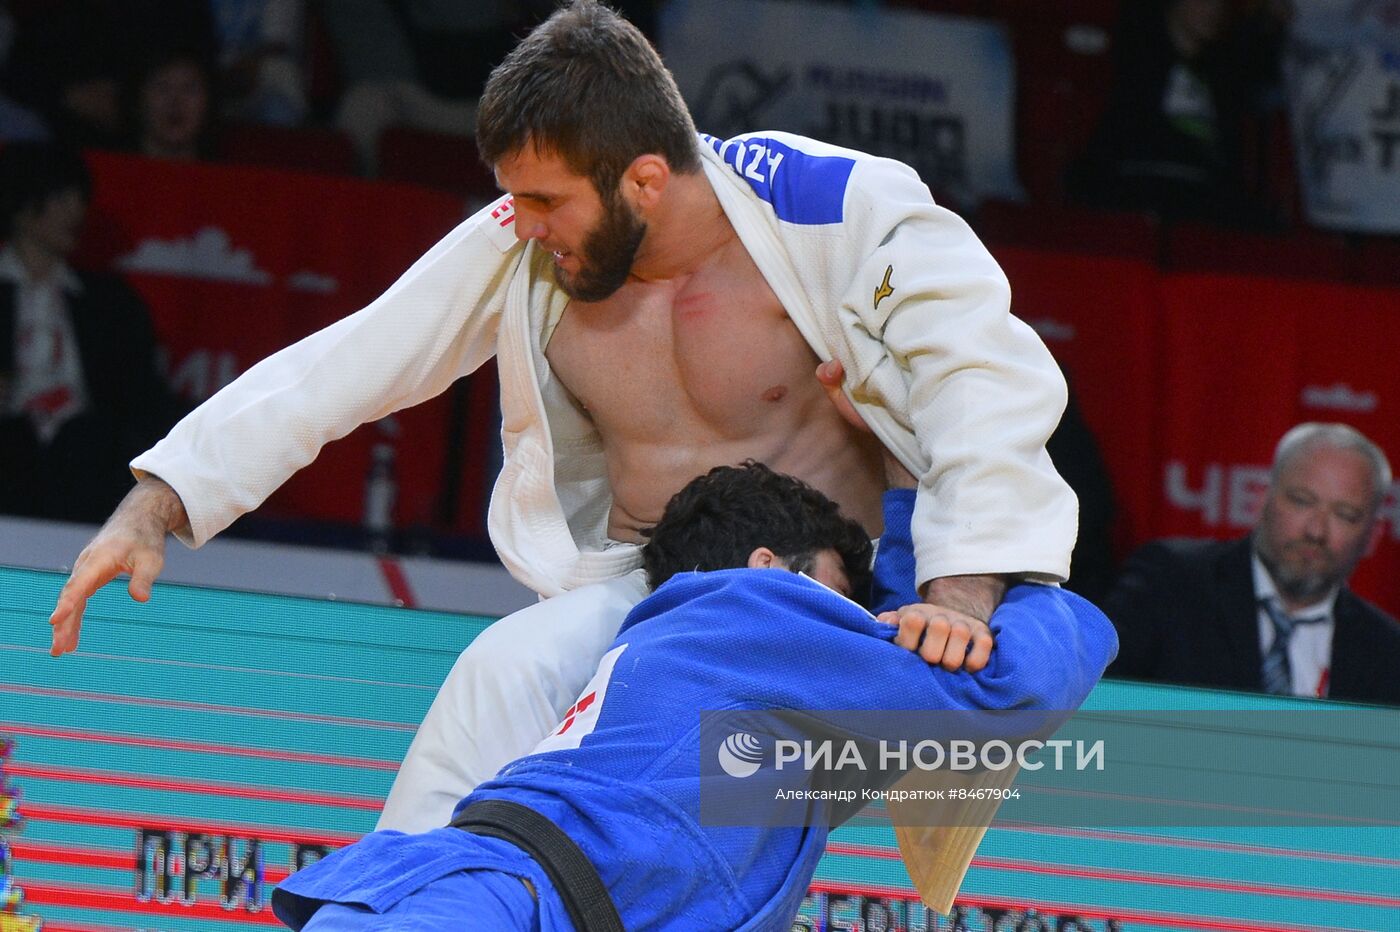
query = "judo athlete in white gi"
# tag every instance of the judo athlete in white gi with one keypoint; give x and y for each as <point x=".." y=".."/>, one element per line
<point x="657" y="302"/>
<point x="623" y="778"/>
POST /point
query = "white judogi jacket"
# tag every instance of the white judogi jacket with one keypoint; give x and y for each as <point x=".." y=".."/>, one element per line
<point x="870" y="270"/>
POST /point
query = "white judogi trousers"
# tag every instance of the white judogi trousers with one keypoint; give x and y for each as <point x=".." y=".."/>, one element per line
<point x="507" y="691"/>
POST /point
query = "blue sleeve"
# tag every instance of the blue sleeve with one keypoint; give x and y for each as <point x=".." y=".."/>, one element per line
<point x="1052" y="647"/>
<point x="893" y="586"/>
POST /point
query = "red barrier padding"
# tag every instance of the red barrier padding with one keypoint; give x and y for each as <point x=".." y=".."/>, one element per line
<point x="1305" y="254"/>
<point x="236" y="263"/>
<point x="1099" y="317"/>
<point x="1244" y="359"/>
<point x="1125" y="234"/>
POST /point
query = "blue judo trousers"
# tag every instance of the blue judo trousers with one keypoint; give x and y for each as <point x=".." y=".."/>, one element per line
<point x="621" y="775"/>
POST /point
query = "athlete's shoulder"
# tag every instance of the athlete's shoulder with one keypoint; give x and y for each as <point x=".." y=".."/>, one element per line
<point x="809" y="182"/>
<point x="804" y="180"/>
<point x="794" y="142"/>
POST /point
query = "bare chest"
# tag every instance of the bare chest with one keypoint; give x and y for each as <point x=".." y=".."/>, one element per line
<point x="713" y="355"/>
<point x="679" y="377"/>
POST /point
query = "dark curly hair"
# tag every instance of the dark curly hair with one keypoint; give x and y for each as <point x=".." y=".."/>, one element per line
<point x="718" y="519"/>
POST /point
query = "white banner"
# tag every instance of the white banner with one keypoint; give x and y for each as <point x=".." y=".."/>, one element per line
<point x="1343" y="75"/>
<point x="935" y="92"/>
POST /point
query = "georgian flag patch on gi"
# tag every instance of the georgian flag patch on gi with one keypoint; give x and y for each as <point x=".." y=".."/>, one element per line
<point x="582" y="717"/>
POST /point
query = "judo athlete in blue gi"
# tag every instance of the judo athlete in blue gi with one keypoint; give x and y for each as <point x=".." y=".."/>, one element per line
<point x="725" y="628"/>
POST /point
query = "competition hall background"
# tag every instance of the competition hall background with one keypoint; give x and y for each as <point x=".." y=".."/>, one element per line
<point x="1189" y="368"/>
<point x="1191" y="351"/>
<point x="236" y="263"/>
<point x="199" y="748"/>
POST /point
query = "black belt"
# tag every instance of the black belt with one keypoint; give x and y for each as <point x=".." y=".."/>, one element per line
<point x="575" y="878"/>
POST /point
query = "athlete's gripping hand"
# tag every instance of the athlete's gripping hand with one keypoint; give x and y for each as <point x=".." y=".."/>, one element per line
<point x="132" y="543"/>
<point x="942" y="636"/>
<point x="949" y="627"/>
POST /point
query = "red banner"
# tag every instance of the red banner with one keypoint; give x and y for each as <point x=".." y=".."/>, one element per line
<point x="236" y="263"/>
<point x="1099" y="317"/>
<point x="1189" y="380"/>
<point x="1244" y="360"/>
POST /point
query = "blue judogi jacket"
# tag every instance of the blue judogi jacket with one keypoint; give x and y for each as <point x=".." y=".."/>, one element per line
<point x="622" y="775"/>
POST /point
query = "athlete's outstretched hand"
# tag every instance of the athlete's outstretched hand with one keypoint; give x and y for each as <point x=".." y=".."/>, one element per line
<point x="131" y="543"/>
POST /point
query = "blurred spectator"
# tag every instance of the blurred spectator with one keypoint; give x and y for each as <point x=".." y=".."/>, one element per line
<point x="16" y="120"/>
<point x="171" y="106"/>
<point x="74" y="59"/>
<point x="260" y="57"/>
<point x="67" y="67"/>
<point x="1187" y="73"/>
<point x="1271" y="612"/>
<point x="418" y="63"/>
<point x="79" y="390"/>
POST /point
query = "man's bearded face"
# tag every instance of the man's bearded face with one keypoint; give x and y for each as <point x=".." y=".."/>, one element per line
<point x="609" y="250"/>
<point x="1317" y="521"/>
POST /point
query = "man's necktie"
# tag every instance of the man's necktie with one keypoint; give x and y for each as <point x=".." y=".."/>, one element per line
<point x="1277" y="677"/>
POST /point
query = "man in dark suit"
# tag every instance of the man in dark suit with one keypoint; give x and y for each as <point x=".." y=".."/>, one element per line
<point x="1271" y="612"/>
<point x="80" y="393"/>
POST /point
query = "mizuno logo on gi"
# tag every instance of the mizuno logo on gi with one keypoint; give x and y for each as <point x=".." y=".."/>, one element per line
<point x="884" y="289"/>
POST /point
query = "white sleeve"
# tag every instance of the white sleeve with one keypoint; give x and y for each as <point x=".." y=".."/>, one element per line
<point x="984" y="392"/>
<point x="436" y="323"/>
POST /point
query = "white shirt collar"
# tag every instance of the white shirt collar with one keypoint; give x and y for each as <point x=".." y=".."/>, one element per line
<point x="1264" y="589"/>
<point x="834" y="592"/>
